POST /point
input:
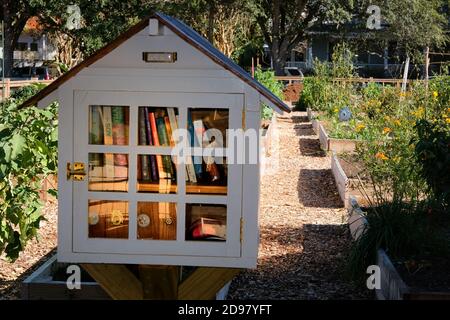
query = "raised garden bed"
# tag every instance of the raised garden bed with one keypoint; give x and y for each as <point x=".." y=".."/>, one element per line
<point x="327" y="143"/>
<point x="49" y="282"/>
<point x="345" y="174"/>
<point x="396" y="282"/>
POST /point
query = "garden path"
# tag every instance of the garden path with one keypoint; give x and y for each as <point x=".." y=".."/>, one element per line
<point x="304" y="235"/>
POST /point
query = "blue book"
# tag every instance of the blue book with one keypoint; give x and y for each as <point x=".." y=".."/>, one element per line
<point x="194" y="143"/>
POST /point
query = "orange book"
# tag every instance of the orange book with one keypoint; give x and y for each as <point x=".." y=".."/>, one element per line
<point x="162" y="174"/>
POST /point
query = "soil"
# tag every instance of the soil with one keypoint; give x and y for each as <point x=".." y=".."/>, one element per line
<point x="429" y="274"/>
<point x="351" y="165"/>
<point x="292" y="92"/>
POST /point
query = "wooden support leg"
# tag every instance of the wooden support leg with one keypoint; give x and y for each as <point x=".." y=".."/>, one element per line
<point x="159" y="282"/>
<point x="204" y="283"/>
<point x="117" y="280"/>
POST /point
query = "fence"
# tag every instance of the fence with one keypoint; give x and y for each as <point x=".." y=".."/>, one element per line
<point x="397" y="82"/>
<point x="15" y="84"/>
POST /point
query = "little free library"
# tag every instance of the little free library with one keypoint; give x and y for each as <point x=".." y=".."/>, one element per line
<point x="123" y="198"/>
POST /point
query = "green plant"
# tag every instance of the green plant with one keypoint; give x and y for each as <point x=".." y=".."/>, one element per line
<point x="402" y="230"/>
<point x="267" y="79"/>
<point x="28" y="153"/>
<point x="432" y="148"/>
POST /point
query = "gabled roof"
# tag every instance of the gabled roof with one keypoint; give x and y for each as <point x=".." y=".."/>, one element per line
<point x="184" y="32"/>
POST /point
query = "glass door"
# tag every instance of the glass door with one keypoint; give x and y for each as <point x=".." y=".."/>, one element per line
<point x="157" y="175"/>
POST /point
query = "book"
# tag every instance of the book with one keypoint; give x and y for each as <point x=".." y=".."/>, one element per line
<point x="197" y="161"/>
<point x="162" y="174"/>
<point x="119" y="138"/>
<point x="108" y="140"/>
<point x="173" y="124"/>
<point x="208" y="229"/>
<point x="144" y="160"/>
<point x="153" y="167"/>
<point x="96" y="134"/>
<point x="164" y="141"/>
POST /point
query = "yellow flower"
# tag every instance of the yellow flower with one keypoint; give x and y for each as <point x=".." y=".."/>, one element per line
<point x="381" y="156"/>
<point x="397" y="122"/>
<point x="419" y="112"/>
<point x="397" y="159"/>
<point x="402" y="94"/>
<point x="386" y="130"/>
<point x="435" y="94"/>
<point x="360" y="127"/>
<point x="387" y="118"/>
<point x="447" y="120"/>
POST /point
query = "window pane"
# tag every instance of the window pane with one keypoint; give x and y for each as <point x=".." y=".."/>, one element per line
<point x="108" y="172"/>
<point x="157" y="221"/>
<point x="108" y="125"/>
<point x="108" y="219"/>
<point x="156" y="173"/>
<point x="212" y="180"/>
<point x="156" y="126"/>
<point x="208" y="127"/>
<point x="206" y="222"/>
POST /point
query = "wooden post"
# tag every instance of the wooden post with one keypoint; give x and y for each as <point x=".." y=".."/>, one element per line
<point x="405" y="74"/>
<point x="427" y="66"/>
<point x="159" y="282"/>
<point x="7" y="87"/>
<point x="117" y="280"/>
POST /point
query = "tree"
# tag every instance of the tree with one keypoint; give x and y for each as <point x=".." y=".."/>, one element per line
<point x="283" y="22"/>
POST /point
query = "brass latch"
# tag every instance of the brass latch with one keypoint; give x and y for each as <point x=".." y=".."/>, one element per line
<point x="77" y="172"/>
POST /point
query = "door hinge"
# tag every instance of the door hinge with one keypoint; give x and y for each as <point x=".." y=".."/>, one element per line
<point x="242" y="230"/>
<point x="77" y="173"/>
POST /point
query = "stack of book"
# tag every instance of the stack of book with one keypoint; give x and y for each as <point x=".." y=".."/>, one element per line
<point x="208" y="229"/>
<point x="155" y="129"/>
<point x="109" y="126"/>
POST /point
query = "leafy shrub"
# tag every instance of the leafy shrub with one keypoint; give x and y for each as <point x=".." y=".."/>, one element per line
<point x="402" y="230"/>
<point x="433" y="154"/>
<point x="28" y="153"/>
<point x="267" y="79"/>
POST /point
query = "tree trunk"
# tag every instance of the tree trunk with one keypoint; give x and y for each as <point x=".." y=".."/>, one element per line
<point x="14" y="23"/>
<point x="8" y="50"/>
<point x="427" y="65"/>
<point x="210" y="32"/>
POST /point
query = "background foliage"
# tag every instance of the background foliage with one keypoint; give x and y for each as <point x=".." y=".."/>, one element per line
<point x="28" y="153"/>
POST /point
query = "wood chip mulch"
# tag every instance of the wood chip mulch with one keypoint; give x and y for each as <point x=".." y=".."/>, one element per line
<point x="304" y="235"/>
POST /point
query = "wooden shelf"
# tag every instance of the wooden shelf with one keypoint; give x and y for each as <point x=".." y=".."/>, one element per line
<point x="190" y="188"/>
<point x="155" y="187"/>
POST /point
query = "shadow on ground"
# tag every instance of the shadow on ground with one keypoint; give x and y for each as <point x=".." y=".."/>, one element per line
<point x="317" y="188"/>
<point x="307" y="263"/>
<point x="304" y="129"/>
<point x="311" y="148"/>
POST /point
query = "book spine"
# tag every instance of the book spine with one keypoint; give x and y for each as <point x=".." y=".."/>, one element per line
<point x="173" y="123"/>
<point x="198" y="141"/>
<point x="145" y="173"/>
<point x="161" y="172"/>
<point x="153" y="167"/>
<point x="96" y="134"/>
<point x="108" y="140"/>
<point x="119" y="138"/>
<point x="164" y="141"/>
<point x="169" y="132"/>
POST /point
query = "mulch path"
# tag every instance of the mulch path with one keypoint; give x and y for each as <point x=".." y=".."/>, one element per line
<point x="35" y="254"/>
<point x="304" y="235"/>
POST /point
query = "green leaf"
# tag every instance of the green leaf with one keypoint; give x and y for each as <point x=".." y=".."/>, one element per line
<point x="18" y="143"/>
